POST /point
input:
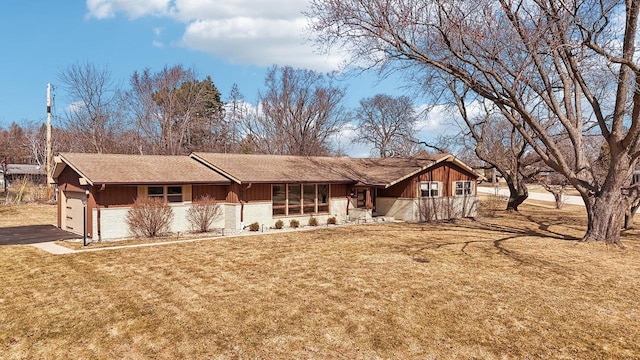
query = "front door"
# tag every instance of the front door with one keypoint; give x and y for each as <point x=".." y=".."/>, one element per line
<point x="365" y="198"/>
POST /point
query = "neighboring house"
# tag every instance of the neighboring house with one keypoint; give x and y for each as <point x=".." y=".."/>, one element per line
<point x="17" y="173"/>
<point x="260" y="188"/>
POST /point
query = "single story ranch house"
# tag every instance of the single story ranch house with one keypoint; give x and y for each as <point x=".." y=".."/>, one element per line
<point x="95" y="191"/>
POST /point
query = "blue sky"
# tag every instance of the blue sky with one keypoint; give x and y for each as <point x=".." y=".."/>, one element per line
<point x="231" y="41"/>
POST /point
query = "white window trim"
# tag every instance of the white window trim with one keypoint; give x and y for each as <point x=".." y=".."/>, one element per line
<point x="439" y="183"/>
<point x="454" y="187"/>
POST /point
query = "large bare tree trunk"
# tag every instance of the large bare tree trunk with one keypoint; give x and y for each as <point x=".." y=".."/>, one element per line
<point x="518" y="193"/>
<point x="606" y="209"/>
<point x="606" y="215"/>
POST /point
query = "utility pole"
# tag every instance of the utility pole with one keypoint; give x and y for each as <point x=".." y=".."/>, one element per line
<point x="49" y="179"/>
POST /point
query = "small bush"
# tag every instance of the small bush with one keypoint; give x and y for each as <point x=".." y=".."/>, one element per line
<point x="203" y="212"/>
<point x="254" y="226"/>
<point x="149" y="217"/>
<point x="331" y="221"/>
<point x="294" y="223"/>
<point x="279" y="224"/>
<point x="313" y="221"/>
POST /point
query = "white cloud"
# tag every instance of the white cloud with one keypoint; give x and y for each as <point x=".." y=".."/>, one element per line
<point x="103" y="9"/>
<point x="76" y="106"/>
<point x="438" y="120"/>
<point x="251" y="32"/>
<point x="256" y="41"/>
<point x="157" y="43"/>
<point x="188" y="10"/>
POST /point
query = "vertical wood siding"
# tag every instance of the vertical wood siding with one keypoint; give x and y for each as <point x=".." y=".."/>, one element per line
<point x="232" y="194"/>
<point x="446" y="173"/>
<point x="257" y="192"/>
<point x="338" y="190"/>
<point x="117" y="195"/>
<point x="218" y="192"/>
<point x="69" y="180"/>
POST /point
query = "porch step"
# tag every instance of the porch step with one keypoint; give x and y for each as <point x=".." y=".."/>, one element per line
<point x="375" y="219"/>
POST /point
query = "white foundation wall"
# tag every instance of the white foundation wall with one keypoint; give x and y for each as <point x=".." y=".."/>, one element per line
<point x="113" y="224"/>
<point x="180" y="222"/>
<point x="232" y="216"/>
<point x="338" y="208"/>
<point x="113" y="221"/>
<point x="428" y="209"/>
<point x="399" y="209"/>
<point x="258" y="212"/>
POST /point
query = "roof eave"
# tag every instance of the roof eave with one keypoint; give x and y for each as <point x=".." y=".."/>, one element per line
<point x="84" y="180"/>
<point x="423" y="168"/>
<point x="143" y="183"/>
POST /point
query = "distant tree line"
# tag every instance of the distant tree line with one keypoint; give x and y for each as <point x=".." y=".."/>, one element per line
<point x="173" y="112"/>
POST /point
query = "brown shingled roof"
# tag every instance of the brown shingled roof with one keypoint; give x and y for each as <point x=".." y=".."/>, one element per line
<point x="246" y="168"/>
<point x="138" y="169"/>
<point x="257" y="168"/>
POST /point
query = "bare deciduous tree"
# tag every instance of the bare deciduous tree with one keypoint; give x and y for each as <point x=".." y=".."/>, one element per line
<point x="36" y="141"/>
<point x="12" y="149"/>
<point x="576" y="59"/>
<point x="557" y="185"/>
<point x="496" y="142"/>
<point x="94" y="114"/>
<point x="297" y="114"/>
<point x="388" y="123"/>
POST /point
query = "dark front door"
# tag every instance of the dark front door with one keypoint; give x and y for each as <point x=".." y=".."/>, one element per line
<point x="365" y="198"/>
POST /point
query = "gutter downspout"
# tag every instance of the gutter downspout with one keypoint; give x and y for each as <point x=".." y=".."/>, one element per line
<point x="99" y="214"/>
<point x="242" y="205"/>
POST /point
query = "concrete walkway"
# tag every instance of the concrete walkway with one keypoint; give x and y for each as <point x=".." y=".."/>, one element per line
<point x="53" y="248"/>
<point x="567" y="199"/>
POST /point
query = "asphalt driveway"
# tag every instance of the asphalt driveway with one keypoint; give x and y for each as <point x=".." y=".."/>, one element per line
<point x="33" y="234"/>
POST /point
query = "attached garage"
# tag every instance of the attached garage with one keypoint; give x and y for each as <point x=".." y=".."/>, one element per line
<point x="73" y="220"/>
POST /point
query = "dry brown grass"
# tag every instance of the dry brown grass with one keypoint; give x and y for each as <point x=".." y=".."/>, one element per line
<point x="27" y="214"/>
<point x="505" y="286"/>
<point x="181" y="237"/>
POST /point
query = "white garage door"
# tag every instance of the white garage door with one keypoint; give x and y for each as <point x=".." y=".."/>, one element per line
<point x="73" y="217"/>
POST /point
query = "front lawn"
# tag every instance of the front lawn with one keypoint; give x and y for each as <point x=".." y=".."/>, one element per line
<point x="507" y="285"/>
